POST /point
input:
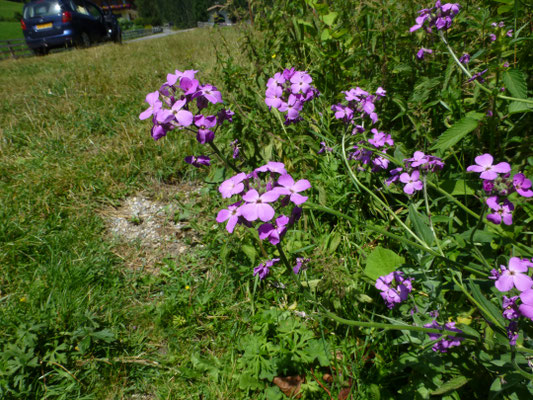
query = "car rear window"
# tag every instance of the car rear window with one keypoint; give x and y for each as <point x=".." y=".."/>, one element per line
<point x="42" y="9"/>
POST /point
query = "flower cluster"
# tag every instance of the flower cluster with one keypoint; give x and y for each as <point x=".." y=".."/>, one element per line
<point x="301" y="265"/>
<point x="498" y="185"/>
<point x="263" y="269"/>
<point x="365" y="156"/>
<point x="499" y="27"/>
<point x="263" y="194"/>
<point x="444" y="344"/>
<point x="360" y="104"/>
<point x="394" y="288"/>
<point x="440" y="16"/>
<point x="410" y="176"/>
<point x="515" y="276"/>
<point x="182" y="103"/>
<point x="287" y="92"/>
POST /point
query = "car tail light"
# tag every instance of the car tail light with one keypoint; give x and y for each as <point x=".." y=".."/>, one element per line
<point x="67" y="16"/>
<point x="23" y="25"/>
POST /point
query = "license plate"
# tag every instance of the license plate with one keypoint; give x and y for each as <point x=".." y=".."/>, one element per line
<point x="44" y="26"/>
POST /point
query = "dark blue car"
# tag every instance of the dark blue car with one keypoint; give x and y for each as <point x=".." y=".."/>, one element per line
<point x="49" y="24"/>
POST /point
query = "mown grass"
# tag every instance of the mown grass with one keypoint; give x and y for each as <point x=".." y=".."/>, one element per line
<point x="10" y="30"/>
<point x="9" y="8"/>
<point x="71" y="144"/>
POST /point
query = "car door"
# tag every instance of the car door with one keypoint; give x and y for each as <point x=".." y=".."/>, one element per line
<point x="99" y="30"/>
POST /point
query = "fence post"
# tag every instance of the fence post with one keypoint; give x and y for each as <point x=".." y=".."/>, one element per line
<point x="11" y="50"/>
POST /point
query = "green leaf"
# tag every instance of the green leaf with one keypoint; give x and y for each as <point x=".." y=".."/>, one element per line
<point x="250" y="252"/>
<point x="516" y="107"/>
<point x="421" y="227"/>
<point x="326" y="35"/>
<point x="458" y="187"/>
<point x="454" y="134"/>
<point x="515" y="82"/>
<point x="382" y="262"/>
<point x="330" y="18"/>
<point x="453" y="384"/>
<point x="490" y="310"/>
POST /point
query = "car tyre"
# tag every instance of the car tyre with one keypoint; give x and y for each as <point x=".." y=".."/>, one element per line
<point x="83" y="41"/>
<point x="41" y="51"/>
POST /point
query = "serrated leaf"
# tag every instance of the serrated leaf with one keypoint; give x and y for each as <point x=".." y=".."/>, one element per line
<point x="330" y="18"/>
<point x="516" y="107"/>
<point x="382" y="262"/>
<point x="454" y="134"/>
<point x="453" y="384"/>
<point x="515" y="82"/>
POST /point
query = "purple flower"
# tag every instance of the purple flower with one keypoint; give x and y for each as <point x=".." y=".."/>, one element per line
<point x="488" y="171"/>
<point x="274" y="233"/>
<point x="380" y="139"/>
<point x="522" y="185"/>
<point x="183" y="117"/>
<point x="418" y="159"/>
<point x="465" y="58"/>
<point x="503" y="212"/>
<point x="394" y="288"/>
<point x="293" y="189"/>
<point x="324" y="148"/>
<point x="478" y="76"/>
<point x="293" y="106"/>
<point x="236" y="149"/>
<point x="272" y="166"/>
<point x="510" y="308"/>
<point x="300" y="82"/>
<point x="154" y="105"/>
<point x="396" y="172"/>
<point x="422" y="52"/>
<point x="526" y="308"/>
<point x="512" y="332"/>
<point x="514" y="276"/>
<point x="263" y="269"/>
<point x="231" y="215"/>
<point x="273" y="96"/>
<point x="198" y="161"/>
<point x="380" y="92"/>
<point x="301" y="265"/>
<point x="492" y="37"/>
<point x="277" y="80"/>
<point x="211" y="93"/>
<point x="412" y="182"/>
<point x="509" y="33"/>
<point x="232" y="185"/>
<point x="444" y="344"/>
<point x="257" y="206"/>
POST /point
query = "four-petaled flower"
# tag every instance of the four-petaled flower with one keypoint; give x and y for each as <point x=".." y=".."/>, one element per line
<point x="488" y="171"/>
<point x="514" y="276"/>
<point x="412" y="182"/>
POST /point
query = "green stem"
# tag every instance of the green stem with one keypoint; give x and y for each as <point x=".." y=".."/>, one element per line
<point x="428" y="211"/>
<point x="359" y="184"/>
<point x="362" y="324"/>
<point x="479" y="85"/>
<point x="224" y="159"/>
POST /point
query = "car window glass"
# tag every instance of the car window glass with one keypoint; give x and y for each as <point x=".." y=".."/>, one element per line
<point x="93" y="10"/>
<point x="80" y="7"/>
<point x="42" y="9"/>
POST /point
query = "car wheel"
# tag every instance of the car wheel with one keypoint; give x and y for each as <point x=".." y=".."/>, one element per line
<point x="118" y="37"/>
<point x="41" y="51"/>
<point x="83" y="41"/>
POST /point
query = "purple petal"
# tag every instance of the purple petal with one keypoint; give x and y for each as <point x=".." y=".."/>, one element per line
<point x="504" y="282"/>
<point x="265" y="212"/>
<point x="301" y="185"/>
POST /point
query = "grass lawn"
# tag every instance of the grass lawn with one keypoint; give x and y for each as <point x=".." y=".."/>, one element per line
<point x="82" y="316"/>
<point x="10" y="30"/>
<point x="9" y="8"/>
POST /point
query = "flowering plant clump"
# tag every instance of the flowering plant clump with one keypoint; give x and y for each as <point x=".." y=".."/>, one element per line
<point x="360" y="104"/>
<point x="288" y="91"/>
<point x="498" y="185"/>
<point x="414" y="166"/>
<point x="183" y="103"/>
<point x="444" y="343"/>
<point x="394" y="288"/>
<point x="266" y="192"/>
<point x="440" y="17"/>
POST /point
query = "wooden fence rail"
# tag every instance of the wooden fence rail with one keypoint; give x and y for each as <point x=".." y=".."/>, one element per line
<point x="14" y="48"/>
